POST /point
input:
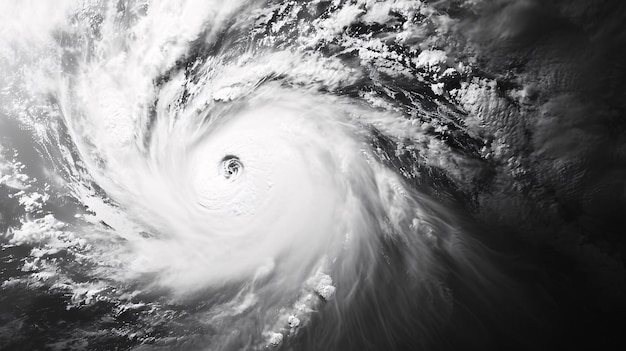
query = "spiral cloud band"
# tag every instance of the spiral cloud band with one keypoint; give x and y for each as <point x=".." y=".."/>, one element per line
<point x="251" y="175"/>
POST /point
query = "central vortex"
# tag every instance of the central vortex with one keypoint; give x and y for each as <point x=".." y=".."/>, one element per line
<point x="231" y="167"/>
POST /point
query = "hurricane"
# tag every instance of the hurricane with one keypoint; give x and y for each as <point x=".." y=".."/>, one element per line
<point x="311" y="175"/>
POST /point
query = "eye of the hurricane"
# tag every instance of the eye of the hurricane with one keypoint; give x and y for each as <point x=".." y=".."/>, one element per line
<point x="230" y="167"/>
